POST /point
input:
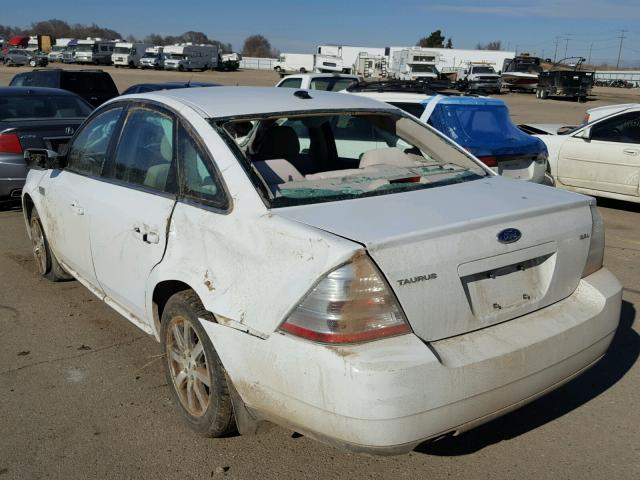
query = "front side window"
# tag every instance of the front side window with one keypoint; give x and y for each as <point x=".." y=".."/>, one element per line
<point x="620" y="129"/>
<point x="304" y="158"/>
<point x="144" y="154"/>
<point x="199" y="178"/>
<point x="88" y="152"/>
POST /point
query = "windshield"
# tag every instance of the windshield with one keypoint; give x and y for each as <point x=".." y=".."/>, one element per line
<point x="483" y="70"/>
<point x="85" y="47"/>
<point x="150" y="55"/>
<point x="527" y="68"/>
<point x="57" y="48"/>
<point x="309" y="158"/>
<point x="42" y="106"/>
<point x="424" y="69"/>
<point x="122" y="50"/>
<point x="176" y="56"/>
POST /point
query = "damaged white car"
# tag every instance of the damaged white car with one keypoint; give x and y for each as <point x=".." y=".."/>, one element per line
<point x="324" y="262"/>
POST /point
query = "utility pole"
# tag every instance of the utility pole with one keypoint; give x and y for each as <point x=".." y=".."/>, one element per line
<point x="566" y="45"/>
<point x="555" y="53"/>
<point x="621" y="37"/>
<point x="589" y="59"/>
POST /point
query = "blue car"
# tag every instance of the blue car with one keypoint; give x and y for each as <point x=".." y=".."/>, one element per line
<point x="481" y="125"/>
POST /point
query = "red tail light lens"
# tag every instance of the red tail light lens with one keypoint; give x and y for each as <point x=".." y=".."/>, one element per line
<point x="10" y="143"/>
<point x="489" y="161"/>
<point x="352" y="304"/>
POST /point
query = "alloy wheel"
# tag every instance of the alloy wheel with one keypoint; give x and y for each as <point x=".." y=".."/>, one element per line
<point x="38" y="246"/>
<point x="188" y="366"/>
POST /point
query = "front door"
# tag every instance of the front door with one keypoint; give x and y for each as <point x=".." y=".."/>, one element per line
<point x="69" y="194"/>
<point x="609" y="160"/>
<point x="133" y="206"/>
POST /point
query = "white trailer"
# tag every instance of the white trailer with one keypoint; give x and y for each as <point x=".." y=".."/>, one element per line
<point x="414" y="63"/>
<point x="294" y="63"/>
<point x="344" y="58"/>
<point x="127" y="54"/>
<point x="187" y="57"/>
<point x="452" y="59"/>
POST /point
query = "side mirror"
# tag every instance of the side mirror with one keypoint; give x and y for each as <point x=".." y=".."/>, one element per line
<point x="466" y="72"/>
<point x="44" y="158"/>
<point x="585" y="134"/>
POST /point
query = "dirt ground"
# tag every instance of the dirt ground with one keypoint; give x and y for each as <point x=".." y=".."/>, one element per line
<point x="82" y="394"/>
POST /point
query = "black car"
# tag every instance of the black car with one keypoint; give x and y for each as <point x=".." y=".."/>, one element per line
<point x="152" y="87"/>
<point x="34" y="118"/>
<point x="95" y="86"/>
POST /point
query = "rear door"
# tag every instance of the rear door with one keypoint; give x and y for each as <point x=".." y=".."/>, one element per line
<point x="132" y="206"/>
<point x="609" y="161"/>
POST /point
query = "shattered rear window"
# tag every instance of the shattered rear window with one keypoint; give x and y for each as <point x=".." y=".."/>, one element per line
<point x="307" y="158"/>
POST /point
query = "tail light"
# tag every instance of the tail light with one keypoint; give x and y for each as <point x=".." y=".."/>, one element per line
<point x="351" y="304"/>
<point x="489" y="161"/>
<point x="596" y="247"/>
<point x="10" y="143"/>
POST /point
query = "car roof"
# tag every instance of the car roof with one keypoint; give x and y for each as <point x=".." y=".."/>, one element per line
<point x="612" y="108"/>
<point x="323" y="75"/>
<point x="236" y="101"/>
<point x="406" y="97"/>
<point x="18" y="91"/>
<point x="176" y="84"/>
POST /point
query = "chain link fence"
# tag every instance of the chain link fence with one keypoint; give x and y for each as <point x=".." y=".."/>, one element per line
<point x="254" y="63"/>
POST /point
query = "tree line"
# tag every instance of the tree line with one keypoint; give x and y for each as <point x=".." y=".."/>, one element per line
<point x="254" y="45"/>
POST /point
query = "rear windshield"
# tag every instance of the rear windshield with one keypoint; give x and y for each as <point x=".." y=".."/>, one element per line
<point x="474" y="125"/>
<point x="87" y="83"/>
<point x="331" y="84"/>
<point x="309" y="158"/>
<point x="42" y="106"/>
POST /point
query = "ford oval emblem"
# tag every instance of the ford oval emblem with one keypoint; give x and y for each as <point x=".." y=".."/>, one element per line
<point x="509" y="235"/>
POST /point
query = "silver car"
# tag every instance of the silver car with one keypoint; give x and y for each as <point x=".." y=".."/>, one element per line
<point x="17" y="57"/>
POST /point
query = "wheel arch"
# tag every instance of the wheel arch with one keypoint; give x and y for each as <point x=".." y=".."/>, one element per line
<point x="162" y="292"/>
<point x="27" y="209"/>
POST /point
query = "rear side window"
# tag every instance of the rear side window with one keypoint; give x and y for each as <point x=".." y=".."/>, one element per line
<point x="621" y="129"/>
<point x="144" y="155"/>
<point x="87" y="83"/>
<point x="200" y="180"/>
<point x="45" y="79"/>
<point x="89" y="149"/>
<point x="291" y="83"/>
<point x="21" y="80"/>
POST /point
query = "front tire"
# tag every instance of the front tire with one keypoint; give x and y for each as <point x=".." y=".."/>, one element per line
<point x="33" y="63"/>
<point x="194" y="373"/>
<point x="46" y="262"/>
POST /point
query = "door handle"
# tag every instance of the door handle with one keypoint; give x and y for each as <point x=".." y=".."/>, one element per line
<point x="630" y="151"/>
<point x="76" y="208"/>
<point x="151" y="237"/>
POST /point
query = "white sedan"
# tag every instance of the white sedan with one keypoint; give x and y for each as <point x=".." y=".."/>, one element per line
<point x="371" y="297"/>
<point x="600" y="158"/>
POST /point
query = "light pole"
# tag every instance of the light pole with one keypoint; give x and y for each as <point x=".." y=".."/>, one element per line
<point x="621" y="37"/>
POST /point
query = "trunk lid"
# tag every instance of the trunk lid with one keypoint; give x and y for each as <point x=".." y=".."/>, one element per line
<point x="439" y="251"/>
<point x="50" y="133"/>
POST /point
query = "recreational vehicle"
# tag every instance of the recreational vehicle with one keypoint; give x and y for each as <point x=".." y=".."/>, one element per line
<point x="94" y="51"/>
<point x="414" y="63"/>
<point x="187" y="57"/>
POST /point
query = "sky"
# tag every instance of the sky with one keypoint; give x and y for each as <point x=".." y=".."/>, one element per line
<point x="531" y="26"/>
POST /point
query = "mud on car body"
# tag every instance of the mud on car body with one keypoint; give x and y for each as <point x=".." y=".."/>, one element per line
<point x="323" y="261"/>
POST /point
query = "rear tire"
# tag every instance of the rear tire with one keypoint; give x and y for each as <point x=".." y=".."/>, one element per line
<point x="46" y="262"/>
<point x="33" y="63"/>
<point x="195" y="375"/>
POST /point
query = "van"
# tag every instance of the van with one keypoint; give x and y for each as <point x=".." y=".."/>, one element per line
<point x="94" y="51"/>
<point x="187" y="57"/>
<point x="127" y="54"/>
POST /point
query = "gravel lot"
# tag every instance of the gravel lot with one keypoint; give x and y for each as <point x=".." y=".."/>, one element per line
<point x="82" y="394"/>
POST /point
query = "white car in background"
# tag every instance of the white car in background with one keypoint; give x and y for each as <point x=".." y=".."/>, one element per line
<point x="372" y="295"/>
<point x="600" y="158"/>
<point x="319" y="81"/>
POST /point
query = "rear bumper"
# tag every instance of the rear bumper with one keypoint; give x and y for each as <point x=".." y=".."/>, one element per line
<point x="388" y="396"/>
<point x="13" y="173"/>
